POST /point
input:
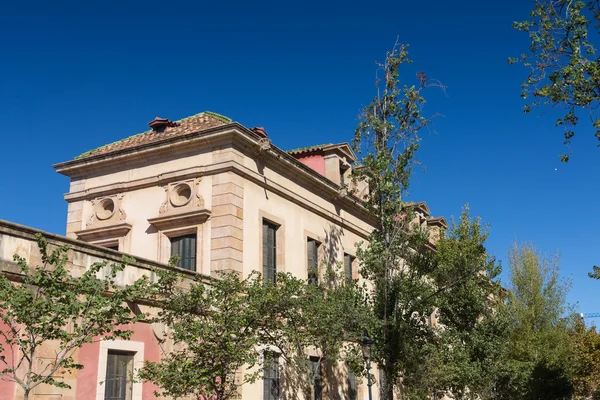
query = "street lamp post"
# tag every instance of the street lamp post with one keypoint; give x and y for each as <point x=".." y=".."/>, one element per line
<point x="367" y="346"/>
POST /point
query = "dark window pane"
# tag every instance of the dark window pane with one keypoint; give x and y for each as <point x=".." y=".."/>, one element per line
<point x="313" y="262"/>
<point x="119" y="372"/>
<point x="271" y="377"/>
<point x="269" y="252"/>
<point x="348" y="260"/>
<point x="352" y="386"/>
<point x="185" y="248"/>
<point x="315" y="364"/>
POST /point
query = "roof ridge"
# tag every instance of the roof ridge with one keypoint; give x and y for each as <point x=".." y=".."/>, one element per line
<point x="218" y="117"/>
<point x="316" y="146"/>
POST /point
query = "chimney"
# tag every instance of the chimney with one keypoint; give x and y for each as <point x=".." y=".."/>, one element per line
<point x="159" y="124"/>
<point x="259" y="130"/>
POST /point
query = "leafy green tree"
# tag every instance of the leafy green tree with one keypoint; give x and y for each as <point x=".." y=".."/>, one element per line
<point x="213" y="331"/>
<point x="564" y="67"/>
<point x="387" y="138"/>
<point x="217" y="328"/>
<point x="48" y="306"/>
<point x="325" y="319"/>
<point x="538" y="361"/>
<point x="586" y="377"/>
<point x="473" y="329"/>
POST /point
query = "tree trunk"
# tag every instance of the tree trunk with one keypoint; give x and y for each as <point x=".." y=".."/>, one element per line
<point x="26" y="395"/>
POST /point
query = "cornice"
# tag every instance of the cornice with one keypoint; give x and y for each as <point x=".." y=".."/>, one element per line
<point x="104" y="232"/>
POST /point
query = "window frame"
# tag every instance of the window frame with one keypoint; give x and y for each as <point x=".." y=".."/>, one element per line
<point x="317" y="377"/>
<point x="128" y="372"/>
<point x="192" y="260"/>
<point x="138" y="361"/>
<point x="313" y="271"/>
<point x="349" y="266"/>
<point x="269" y="250"/>
<point x="352" y="383"/>
<point x="273" y="367"/>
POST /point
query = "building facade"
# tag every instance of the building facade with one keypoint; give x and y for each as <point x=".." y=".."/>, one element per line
<point x="221" y="196"/>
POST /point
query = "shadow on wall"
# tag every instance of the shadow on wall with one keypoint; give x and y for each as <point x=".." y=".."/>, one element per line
<point x="333" y="245"/>
<point x="299" y="382"/>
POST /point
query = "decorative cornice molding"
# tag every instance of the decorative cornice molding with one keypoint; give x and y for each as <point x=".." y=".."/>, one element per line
<point x="105" y="232"/>
<point x="178" y="220"/>
<point x="348" y="202"/>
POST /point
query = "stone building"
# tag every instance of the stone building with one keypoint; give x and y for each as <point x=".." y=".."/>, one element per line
<point x="219" y="195"/>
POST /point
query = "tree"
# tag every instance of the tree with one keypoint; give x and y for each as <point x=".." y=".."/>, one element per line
<point x="538" y="359"/>
<point x="213" y="331"/>
<point x="565" y="70"/>
<point x="392" y="259"/>
<point x="217" y="328"/>
<point x="473" y="324"/>
<point x="586" y="377"/>
<point x="49" y="306"/>
<point x="324" y="319"/>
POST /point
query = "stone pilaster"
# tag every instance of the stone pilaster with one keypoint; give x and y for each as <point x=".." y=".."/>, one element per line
<point x="227" y="217"/>
<point x="74" y="218"/>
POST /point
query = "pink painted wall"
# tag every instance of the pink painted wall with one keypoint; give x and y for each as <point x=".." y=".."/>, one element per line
<point x="316" y="162"/>
<point x="89" y="355"/>
<point x="7" y="389"/>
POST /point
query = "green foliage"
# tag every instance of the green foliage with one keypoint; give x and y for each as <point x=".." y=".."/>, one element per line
<point x="212" y="332"/>
<point x="538" y="360"/>
<point x="564" y="68"/>
<point x="471" y="311"/>
<point x="586" y="378"/>
<point x="218" y="328"/>
<point x="49" y="306"/>
<point x="326" y="320"/>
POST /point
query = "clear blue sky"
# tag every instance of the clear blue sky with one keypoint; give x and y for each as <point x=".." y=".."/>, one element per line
<point x="76" y="75"/>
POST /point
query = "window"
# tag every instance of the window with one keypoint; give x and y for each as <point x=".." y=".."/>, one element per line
<point x="315" y="364"/>
<point x="119" y="374"/>
<point x="348" y="261"/>
<point x="312" y="247"/>
<point x="185" y="248"/>
<point x="269" y="254"/>
<point x="352" y="387"/>
<point x="271" y="377"/>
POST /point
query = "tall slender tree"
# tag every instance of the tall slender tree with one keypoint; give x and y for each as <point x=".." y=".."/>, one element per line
<point x="387" y="138"/>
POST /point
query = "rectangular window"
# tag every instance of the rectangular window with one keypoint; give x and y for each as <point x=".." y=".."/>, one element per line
<point x="269" y="252"/>
<point x="315" y="365"/>
<point x="119" y="374"/>
<point x="312" y="247"/>
<point x="185" y="248"/>
<point x="348" y="261"/>
<point x="271" y="377"/>
<point x="352" y="387"/>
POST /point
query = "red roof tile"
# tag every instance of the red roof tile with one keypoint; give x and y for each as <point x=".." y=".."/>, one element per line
<point x="195" y="123"/>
